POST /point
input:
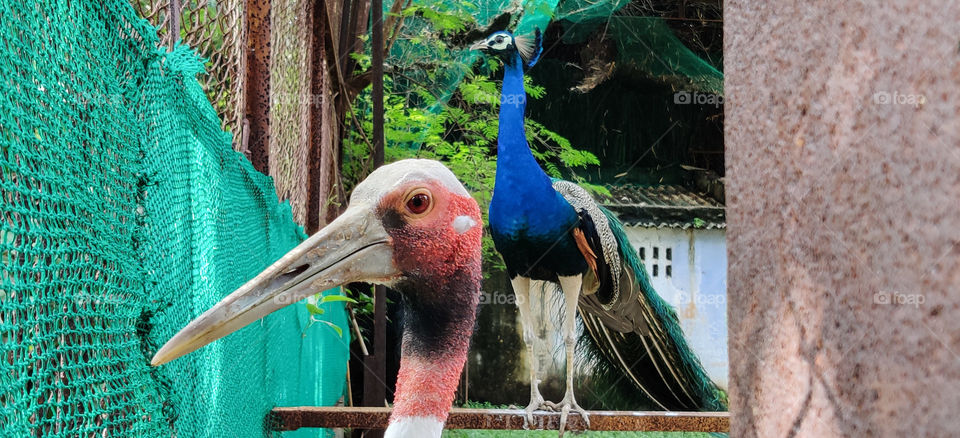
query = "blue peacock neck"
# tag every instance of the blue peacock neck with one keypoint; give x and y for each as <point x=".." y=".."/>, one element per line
<point x="515" y="162"/>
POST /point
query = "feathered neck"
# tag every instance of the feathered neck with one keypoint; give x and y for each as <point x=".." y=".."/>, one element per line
<point x="513" y="152"/>
<point x="438" y="320"/>
<point x="513" y="103"/>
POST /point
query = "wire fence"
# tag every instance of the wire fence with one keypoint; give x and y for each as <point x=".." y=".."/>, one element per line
<point x="215" y="29"/>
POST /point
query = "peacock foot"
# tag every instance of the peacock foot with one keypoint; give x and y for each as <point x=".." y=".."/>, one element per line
<point x="565" y="405"/>
<point x="536" y="403"/>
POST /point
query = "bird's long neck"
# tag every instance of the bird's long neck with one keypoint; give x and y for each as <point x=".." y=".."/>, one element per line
<point x="515" y="162"/>
<point x="438" y="322"/>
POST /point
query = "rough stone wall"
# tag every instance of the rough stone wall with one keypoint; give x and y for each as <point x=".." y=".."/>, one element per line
<point x="843" y="160"/>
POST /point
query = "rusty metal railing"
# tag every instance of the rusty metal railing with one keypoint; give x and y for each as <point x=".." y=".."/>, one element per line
<point x="293" y="418"/>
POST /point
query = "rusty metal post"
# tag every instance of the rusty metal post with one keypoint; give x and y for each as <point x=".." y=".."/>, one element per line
<point x="173" y="23"/>
<point x="315" y="119"/>
<point x="376" y="46"/>
<point x="375" y="378"/>
<point x="257" y="113"/>
<point x="346" y="10"/>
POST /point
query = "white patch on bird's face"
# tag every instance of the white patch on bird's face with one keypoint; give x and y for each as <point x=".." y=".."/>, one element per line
<point x="462" y="224"/>
<point x="499" y="41"/>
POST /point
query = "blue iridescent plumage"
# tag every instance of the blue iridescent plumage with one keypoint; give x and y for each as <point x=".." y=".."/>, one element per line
<point x="526" y="213"/>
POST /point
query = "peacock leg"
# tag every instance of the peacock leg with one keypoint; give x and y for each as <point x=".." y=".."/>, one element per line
<point x="571" y="295"/>
<point x="521" y="288"/>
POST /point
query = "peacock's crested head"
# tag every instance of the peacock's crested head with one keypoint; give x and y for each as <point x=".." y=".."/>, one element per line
<point x="507" y="45"/>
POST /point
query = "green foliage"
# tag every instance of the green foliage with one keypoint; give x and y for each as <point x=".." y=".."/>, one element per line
<point x="461" y="129"/>
<point x="446" y="23"/>
<point x="313" y="306"/>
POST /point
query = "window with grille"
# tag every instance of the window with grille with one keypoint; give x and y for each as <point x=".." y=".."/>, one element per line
<point x="660" y="262"/>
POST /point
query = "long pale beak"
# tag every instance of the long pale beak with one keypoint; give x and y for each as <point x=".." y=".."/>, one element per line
<point x="355" y="247"/>
<point x="480" y="45"/>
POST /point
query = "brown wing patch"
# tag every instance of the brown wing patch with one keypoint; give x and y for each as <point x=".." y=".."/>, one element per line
<point x="585" y="249"/>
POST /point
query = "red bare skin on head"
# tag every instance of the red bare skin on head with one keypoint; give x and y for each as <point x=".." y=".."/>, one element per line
<point x="428" y="246"/>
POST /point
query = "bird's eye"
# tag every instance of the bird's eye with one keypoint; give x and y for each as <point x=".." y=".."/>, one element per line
<point x="500" y="39"/>
<point x="419" y="202"/>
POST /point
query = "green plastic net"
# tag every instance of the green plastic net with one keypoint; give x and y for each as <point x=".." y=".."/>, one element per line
<point x="648" y="45"/>
<point x="125" y="213"/>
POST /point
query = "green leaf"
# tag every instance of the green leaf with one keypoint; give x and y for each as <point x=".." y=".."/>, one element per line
<point x="334" y="327"/>
<point x="314" y="310"/>
<point x="336" y="298"/>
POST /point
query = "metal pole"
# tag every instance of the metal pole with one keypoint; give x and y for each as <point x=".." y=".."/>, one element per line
<point x="258" y="83"/>
<point x="294" y="418"/>
<point x="318" y="25"/>
<point x="174" y="23"/>
<point x="375" y="388"/>
<point x="376" y="11"/>
<point x="345" y="11"/>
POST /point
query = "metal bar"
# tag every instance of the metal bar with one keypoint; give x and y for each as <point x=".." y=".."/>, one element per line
<point x="665" y="208"/>
<point x="174" y="21"/>
<point x="376" y="46"/>
<point x="315" y="117"/>
<point x="344" y="35"/>
<point x="258" y="83"/>
<point x="350" y="43"/>
<point x="377" y="391"/>
<point x="293" y="418"/>
<point x="375" y="371"/>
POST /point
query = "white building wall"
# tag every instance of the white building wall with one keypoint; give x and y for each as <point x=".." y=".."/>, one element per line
<point x="691" y="275"/>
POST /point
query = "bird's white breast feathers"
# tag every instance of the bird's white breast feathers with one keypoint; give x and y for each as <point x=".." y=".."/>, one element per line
<point x="414" y="427"/>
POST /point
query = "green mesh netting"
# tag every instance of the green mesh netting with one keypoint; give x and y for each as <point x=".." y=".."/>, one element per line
<point x="644" y="44"/>
<point x="125" y="213"/>
<point x="650" y="46"/>
<point x="408" y="53"/>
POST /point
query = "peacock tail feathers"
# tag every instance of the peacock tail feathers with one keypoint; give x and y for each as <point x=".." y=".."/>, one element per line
<point x="705" y="394"/>
<point x="634" y="333"/>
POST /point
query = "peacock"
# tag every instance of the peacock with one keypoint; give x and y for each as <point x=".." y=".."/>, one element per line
<point x="551" y="230"/>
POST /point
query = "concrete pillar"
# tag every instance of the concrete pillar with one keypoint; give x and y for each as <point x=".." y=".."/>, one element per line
<point x="843" y="161"/>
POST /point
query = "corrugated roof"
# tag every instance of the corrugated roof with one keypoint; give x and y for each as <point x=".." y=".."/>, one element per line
<point x="665" y="206"/>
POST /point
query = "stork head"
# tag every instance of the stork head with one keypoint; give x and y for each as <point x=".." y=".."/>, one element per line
<point x="410" y="225"/>
<point x="507" y="46"/>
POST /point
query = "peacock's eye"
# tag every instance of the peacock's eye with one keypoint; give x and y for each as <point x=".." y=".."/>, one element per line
<point x="419" y="202"/>
<point x="500" y="39"/>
